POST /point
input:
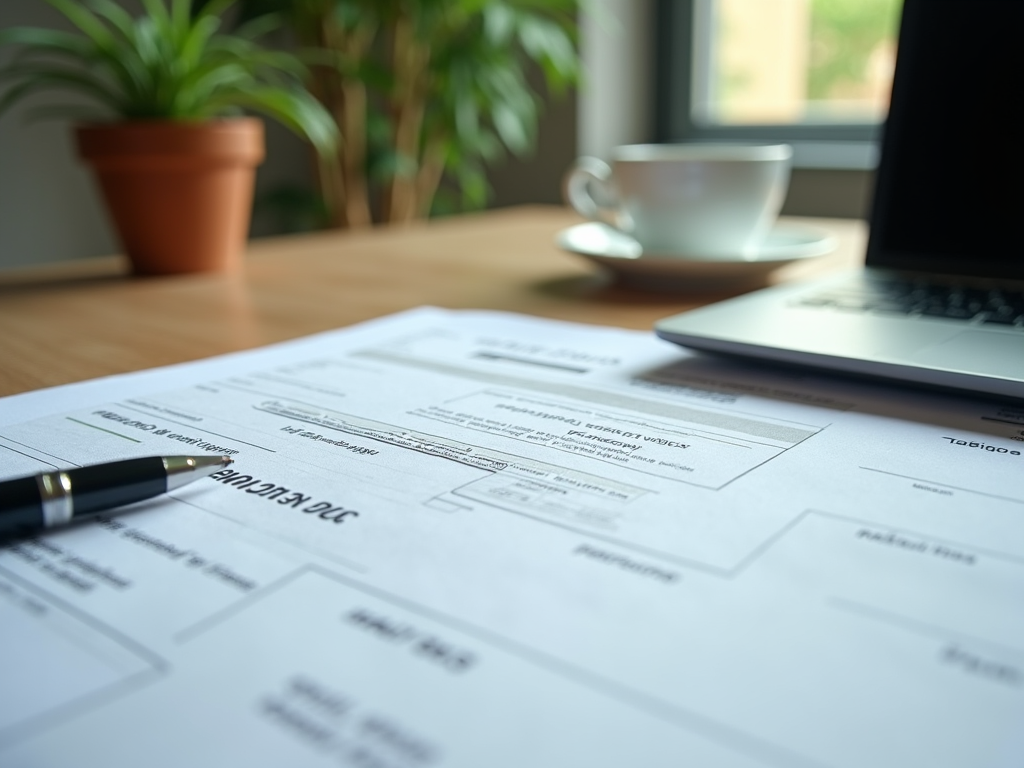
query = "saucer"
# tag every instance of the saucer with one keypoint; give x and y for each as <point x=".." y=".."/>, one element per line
<point x="624" y="256"/>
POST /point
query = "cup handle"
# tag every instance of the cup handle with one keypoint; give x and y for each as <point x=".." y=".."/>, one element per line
<point x="587" y="174"/>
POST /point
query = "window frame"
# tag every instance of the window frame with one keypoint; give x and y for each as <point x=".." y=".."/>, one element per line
<point x="680" y="54"/>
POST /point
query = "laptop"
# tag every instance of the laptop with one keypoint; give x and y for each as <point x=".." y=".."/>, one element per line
<point x="940" y="301"/>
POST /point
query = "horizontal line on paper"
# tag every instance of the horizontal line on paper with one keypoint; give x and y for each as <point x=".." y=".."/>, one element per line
<point x="916" y="625"/>
<point x="525" y="361"/>
<point x="101" y="429"/>
<point x="944" y="485"/>
<point x="197" y="429"/>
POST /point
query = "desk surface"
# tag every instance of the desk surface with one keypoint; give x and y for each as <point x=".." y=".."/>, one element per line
<point x="80" y="320"/>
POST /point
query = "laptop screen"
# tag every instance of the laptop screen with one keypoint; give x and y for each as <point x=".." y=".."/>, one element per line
<point x="949" y="196"/>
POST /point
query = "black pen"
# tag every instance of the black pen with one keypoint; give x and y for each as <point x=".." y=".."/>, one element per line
<point x="31" y="504"/>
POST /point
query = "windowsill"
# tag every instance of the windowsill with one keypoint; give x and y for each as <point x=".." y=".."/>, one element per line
<point x="811" y="154"/>
<point x="835" y="155"/>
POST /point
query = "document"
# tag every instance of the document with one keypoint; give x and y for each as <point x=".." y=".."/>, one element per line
<point x="475" y="539"/>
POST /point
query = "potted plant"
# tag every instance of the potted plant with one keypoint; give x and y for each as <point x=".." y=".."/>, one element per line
<point x="425" y="90"/>
<point x="176" y="163"/>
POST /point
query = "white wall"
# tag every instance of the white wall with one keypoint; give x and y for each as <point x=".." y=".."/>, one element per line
<point x="616" y="94"/>
<point x="48" y="209"/>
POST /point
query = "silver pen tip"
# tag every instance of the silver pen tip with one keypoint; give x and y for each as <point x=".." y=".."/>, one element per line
<point x="182" y="470"/>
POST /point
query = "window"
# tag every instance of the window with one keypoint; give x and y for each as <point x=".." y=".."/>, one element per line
<point x="814" y="73"/>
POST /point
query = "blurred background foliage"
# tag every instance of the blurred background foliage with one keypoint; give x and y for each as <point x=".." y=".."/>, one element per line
<point x="846" y="34"/>
<point x="426" y="94"/>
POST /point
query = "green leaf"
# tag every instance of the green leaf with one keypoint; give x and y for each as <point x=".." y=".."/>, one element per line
<point x="259" y="26"/>
<point x="147" y="44"/>
<point x="542" y="40"/>
<point x="47" y="40"/>
<point x="473" y="184"/>
<point x="85" y="20"/>
<point x="115" y="16"/>
<point x="181" y="17"/>
<point x="55" y="79"/>
<point x="499" y="23"/>
<point x="512" y="127"/>
<point x="158" y="15"/>
<point x="197" y="38"/>
<point x="295" y="109"/>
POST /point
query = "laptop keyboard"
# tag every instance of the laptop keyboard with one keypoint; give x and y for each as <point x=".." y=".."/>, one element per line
<point x="919" y="297"/>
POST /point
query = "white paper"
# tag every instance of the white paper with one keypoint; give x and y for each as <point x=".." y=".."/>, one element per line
<point x="476" y="539"/>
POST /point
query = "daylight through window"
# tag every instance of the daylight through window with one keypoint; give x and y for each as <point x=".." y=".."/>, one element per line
<point x="771" y="62"/>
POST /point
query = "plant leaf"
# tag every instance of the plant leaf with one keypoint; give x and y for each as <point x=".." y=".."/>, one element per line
<point x="295" y="109"/>
<point x="48" y="40"/>
<point x="259" y="26"/>
<point x="85" y="20"/>
<point x="55" y="79"/>
<point x="116" y="16"/>
<point x="511" y="126"/>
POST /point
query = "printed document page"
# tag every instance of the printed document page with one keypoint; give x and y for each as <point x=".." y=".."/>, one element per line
<point x="479" y="539"/>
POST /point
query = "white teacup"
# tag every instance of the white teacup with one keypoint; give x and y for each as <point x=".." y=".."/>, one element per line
<point x="688" y="200"/>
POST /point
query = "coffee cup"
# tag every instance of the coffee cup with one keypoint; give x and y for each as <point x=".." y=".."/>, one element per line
<point x="698" y="201"/>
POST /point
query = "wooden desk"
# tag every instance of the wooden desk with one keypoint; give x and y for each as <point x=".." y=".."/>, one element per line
<point x="80" y="320"/>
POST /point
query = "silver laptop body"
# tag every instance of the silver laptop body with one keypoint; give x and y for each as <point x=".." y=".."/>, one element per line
<point x="941" y="299"/>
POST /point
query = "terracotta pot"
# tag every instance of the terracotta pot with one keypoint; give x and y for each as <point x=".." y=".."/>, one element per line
<point x="180" y="193"/>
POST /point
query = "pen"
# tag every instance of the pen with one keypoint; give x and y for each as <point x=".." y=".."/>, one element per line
<point x="34" y="503"/>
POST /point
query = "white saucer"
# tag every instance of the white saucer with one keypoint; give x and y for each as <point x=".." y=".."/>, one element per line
<point x="624" y="256"/>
